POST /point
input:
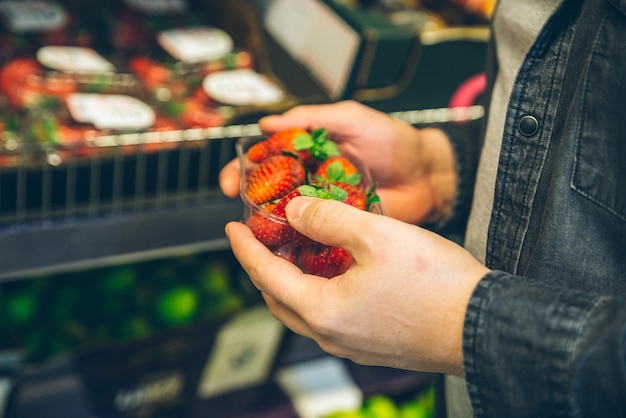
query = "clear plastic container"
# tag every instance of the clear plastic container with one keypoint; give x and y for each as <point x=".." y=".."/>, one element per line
<point x="276" y="233"/>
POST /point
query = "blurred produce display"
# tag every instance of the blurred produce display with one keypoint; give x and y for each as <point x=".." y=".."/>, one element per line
<point x="48" y="315"/>
<point x="74" y="71"/>
<point x="419" y="405"/>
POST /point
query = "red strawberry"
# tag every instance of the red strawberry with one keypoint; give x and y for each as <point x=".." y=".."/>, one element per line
<point x="324" y="260"/>
<point x="275" y="144"/>
<point x="193" y="113"/>
<point x="274" y="178"/>
<point x="354" y="195"/>
<point x="310" y="148"/>
<point x="264" y="228"/>
<point x="274" y="230"/>
<point x="287" y="234"/>
<point x="288" y="253"/>
<point x="338" y="168"/>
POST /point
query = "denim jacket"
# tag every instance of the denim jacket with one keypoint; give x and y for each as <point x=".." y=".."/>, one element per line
<point x="545" y="331"/>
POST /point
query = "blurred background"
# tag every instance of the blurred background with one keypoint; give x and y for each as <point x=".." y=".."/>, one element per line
<point x="119" y="296"/>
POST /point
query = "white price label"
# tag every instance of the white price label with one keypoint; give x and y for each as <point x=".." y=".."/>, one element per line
<point x="242" y="87"/>
<point x="320" y="387"/>
<point x="111" y="111"/>
<point x="196" y="43"/>
<point x="243" y="353"/>
<point x="73" y="59"/>
<point x="33" y="16"/>
<point x="158" y="7"/>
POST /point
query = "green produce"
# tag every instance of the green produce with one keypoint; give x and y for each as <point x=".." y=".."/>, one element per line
<point x="379" y="406"/>
<point x="118" y="279"/>
<point x="177" y="306"/>
<point x="46" y="315"/>
<point x="21" y="307"/>
<point x="421" y="405"/>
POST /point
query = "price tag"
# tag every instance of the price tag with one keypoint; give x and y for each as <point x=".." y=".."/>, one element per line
<point x="111" y="111"/>
<point x="33" y="16"/>
<point x="242" y="87"/>
<point x="196" y="43"/>
<point x="158" y="7"/>
<point x="73" y="59"/>
<point x="243" y="353"/>
<point x="320" y="387"/>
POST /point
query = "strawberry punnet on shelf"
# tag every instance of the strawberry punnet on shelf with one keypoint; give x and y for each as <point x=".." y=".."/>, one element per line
<point x="291" y="163"/>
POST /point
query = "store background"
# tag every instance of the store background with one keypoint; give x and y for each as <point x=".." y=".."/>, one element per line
<point x="119" y="296"/>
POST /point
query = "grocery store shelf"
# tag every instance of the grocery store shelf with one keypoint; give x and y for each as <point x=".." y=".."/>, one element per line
<point x="35" y="248"/>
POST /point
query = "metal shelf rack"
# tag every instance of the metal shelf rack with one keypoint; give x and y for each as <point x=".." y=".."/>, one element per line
<point x="59" y="215"/>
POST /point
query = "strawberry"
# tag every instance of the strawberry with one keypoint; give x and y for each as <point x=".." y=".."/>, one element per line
<point x="338" y="168"/>
<point x="310" y="148"/>
<point x="324" y="260"/>
<point x="274" y="178"/>
<point x="274" y="230"/>
<point x="193" y="113"/>
<point x="354" y="195"/>
<point x="288" y="253"/>
<point x="287" y="234"/>
<point x="151" y="73"/>
<point x="263" y="228"/>
<point x="276" y="143"/>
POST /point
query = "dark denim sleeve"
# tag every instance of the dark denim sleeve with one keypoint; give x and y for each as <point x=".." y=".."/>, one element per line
<point x="535" y="351"/>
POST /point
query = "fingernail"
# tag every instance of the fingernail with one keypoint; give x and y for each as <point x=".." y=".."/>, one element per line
<point x="295" y="209"/>
<point x="228" y="227"/>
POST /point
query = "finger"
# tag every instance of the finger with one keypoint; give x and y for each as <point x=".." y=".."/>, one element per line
<point x="273" y="275"/>
<point x="297" y="117"/>
<point x="307" y="117"/>
<point x="330" y="222"/>
<point x="229" y="178"/>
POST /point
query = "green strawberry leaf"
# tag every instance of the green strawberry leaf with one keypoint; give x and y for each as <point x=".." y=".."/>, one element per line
<point x="308" y="190"/>
<point x="337" y="193"/>
<point x="303" y="142"/>
<point x="325" y="150"/>
<point x="319" y="134"/>
<point x="353" y="179"/>
<point x="322" y="147"/>
<point x="335" y="171"/>
<point x="372" y="197"/>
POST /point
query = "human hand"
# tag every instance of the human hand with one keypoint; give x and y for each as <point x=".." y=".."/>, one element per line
<point x="414" y="169"/>
<point x="402" y="304"/>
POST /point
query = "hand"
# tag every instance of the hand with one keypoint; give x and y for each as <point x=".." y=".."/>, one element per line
<point x="414" y="169"/>
<point x="402" y="304"/>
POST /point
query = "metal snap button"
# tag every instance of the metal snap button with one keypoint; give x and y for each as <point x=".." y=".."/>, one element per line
<point x="528" y="125"/>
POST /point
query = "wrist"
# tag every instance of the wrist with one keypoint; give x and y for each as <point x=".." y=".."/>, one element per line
<point x="441" y="173"/>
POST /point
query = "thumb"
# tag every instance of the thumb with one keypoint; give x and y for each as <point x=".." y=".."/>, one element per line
<point x="328" y="221"/>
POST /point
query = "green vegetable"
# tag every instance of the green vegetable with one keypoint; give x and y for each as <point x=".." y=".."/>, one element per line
<point x="21" y="307"/>
<point x="380" y="406"/>
<point x="177" y="306"/>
